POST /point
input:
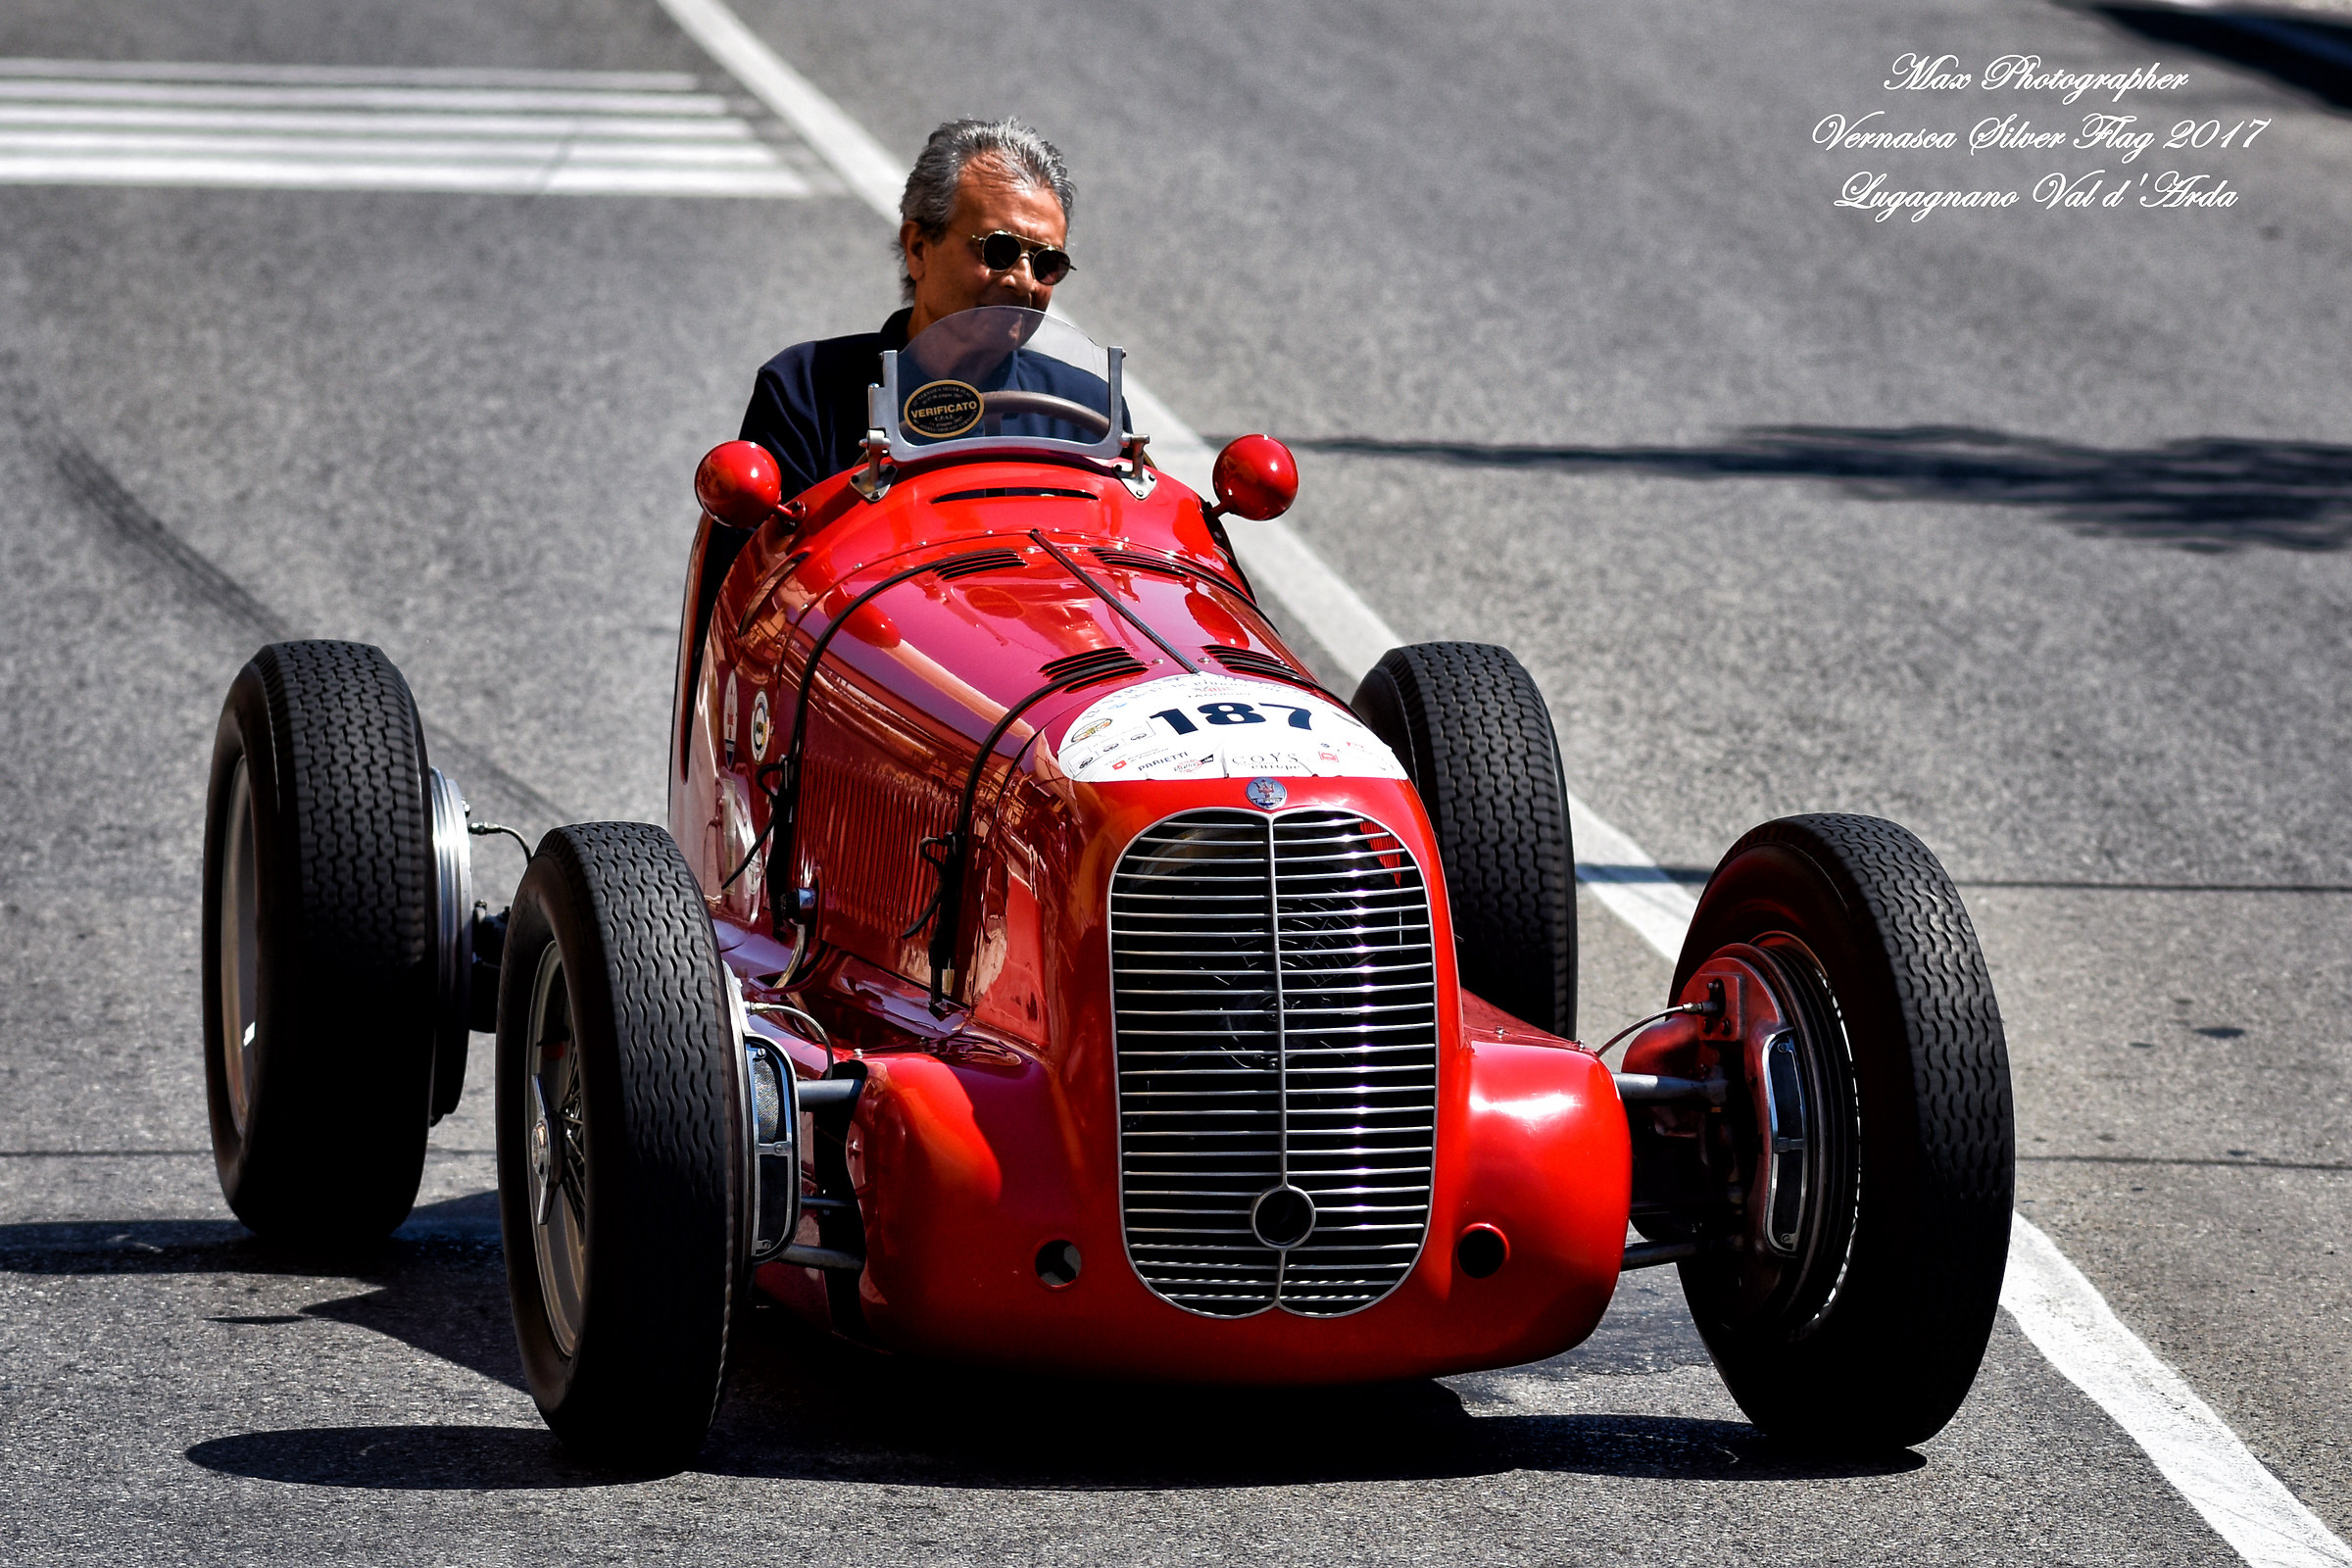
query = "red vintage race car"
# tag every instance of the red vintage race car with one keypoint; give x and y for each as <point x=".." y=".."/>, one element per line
<point x="1041" y="968"/>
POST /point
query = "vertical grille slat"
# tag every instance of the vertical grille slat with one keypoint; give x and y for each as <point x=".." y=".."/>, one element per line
<point x="1274" y="991"/>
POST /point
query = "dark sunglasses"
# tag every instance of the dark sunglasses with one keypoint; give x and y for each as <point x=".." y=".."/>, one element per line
<point x="1003" y="251"/>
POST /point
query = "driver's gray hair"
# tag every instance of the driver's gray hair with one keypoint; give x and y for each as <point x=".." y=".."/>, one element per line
<point x="939" y="168"/>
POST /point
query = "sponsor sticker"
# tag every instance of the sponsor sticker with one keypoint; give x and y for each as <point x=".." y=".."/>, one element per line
<point x="1202" y="726"/>
<point x="727" y="719"/>
<point x="760" y="727"/>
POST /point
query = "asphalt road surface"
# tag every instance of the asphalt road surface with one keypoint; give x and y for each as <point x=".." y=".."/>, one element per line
<point x="2026" y="527"/>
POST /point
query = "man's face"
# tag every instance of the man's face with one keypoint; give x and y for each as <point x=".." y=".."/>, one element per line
<point x="948" y="274"/>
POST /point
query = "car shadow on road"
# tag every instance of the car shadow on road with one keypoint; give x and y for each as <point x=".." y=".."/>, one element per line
<point x="223" y="1246"/>
<point x="402" y="1458"/>
<point x="2211" y="494"/>
<point x="809" y="1407"/>
<point x="804" y="1405"/>
<point x="439" y="1285"/>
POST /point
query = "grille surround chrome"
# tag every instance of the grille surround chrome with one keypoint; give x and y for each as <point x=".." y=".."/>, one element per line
<point x="1301" y="943"/>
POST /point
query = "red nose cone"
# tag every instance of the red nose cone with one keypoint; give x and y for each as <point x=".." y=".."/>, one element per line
<point x="738" y="484"/>
<point x="1256" y="477"/>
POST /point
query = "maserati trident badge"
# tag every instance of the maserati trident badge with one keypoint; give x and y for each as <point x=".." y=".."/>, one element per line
<point x="1267" y="793"/>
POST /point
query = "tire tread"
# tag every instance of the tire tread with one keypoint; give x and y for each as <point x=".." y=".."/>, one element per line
<point x="1473" y="731"/>
<point x="1901" y="1347"/>
<point x="340" y="1116"/>
<point x="666" y="1193"/>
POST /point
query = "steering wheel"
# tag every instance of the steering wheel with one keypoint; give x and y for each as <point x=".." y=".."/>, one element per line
<point x="1093" y="422"/>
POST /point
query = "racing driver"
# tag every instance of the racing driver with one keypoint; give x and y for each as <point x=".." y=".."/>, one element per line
<point x="985" y="216"/>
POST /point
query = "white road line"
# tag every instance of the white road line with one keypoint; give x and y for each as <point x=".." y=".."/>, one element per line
<point x="1630" y="884"/>
<point x="353" y="75"/>
<point x="354" y="174"/>
<point x="478" y="100"/>
<point x="586" y="148"/>
<point x="2071" y="1323"/>
<point x="2060" y="1312"/>
<point x="336" y="129"/>
<point x="370" y="122"/>
<point x="870" y="172"/>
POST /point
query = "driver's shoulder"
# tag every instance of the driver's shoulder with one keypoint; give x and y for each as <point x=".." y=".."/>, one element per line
<point x="820" y="358"/>
<point x="823" y="358"/>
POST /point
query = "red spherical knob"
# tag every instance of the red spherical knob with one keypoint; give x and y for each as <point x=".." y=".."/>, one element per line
<point x="1256" y="477"/>
<point x="739" y="484"/>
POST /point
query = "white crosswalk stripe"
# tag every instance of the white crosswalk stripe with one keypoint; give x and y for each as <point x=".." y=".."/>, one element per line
<point x="328" y="127"/>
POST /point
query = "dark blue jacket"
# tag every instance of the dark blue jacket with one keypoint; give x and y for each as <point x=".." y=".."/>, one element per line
<point x="809" y="403"/>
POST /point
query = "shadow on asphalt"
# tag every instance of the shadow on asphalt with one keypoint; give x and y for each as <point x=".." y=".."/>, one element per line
<point x="804" y="1405"/>
<point x="2302" y="51"/>
<point x="2211" y="494"/>
<point x="439" y="1285"/>
<point x="1295" y="1451"/>
<point x="223" y="1246"/>
<point x="805" y="1408"/>
<point x="415" y="1458"/>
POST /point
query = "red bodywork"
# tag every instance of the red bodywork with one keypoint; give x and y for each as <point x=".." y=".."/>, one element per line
<point x="993" y="1129"/>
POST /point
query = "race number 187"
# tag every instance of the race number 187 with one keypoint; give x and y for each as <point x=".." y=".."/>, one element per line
<point x="1217" y="715"/>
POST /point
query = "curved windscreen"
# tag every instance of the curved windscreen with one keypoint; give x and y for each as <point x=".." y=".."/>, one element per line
<point x="1001" y="375"/>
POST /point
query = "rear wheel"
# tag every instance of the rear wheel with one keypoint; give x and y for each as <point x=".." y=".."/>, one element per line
<point x="318" y="944"/>
<point x="1473" y="733"/>
<point x="621" y="1146"/>
<point x="1869" y="1144"/>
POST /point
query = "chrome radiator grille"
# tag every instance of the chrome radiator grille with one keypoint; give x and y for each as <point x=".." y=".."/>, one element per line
<point x="1275" y="1002"/>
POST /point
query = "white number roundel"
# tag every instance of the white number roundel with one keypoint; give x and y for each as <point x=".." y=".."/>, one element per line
<point x="1220" y="726"/>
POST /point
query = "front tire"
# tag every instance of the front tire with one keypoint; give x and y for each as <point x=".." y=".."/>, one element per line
<point x="1867" y="1332"/>
<point x="1475" y="737"/>
<point x="318" y="944"/>
<point x="622" y="1147"/>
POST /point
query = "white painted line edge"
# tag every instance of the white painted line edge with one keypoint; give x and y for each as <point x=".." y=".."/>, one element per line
<point x="2060" y="1311"/>
<point x="1630" y="884"/>
<point x="2072" y="1325"/>
<point x="862" y="162"/>
<point x="362" y="75"/>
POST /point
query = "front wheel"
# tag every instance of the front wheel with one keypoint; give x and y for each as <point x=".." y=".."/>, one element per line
<point x="621" y="1147"/>
<point x="1472" y="731"/>
<point x="320" y="920"/>
<point x="1866" y="1153"/>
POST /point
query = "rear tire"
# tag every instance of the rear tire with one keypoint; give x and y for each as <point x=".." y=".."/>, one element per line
<point x="318" y="944"/>
<point x="621" y="1146"/>
<point x="1473" y="733"/>
<point x="1872" y="1342"/>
